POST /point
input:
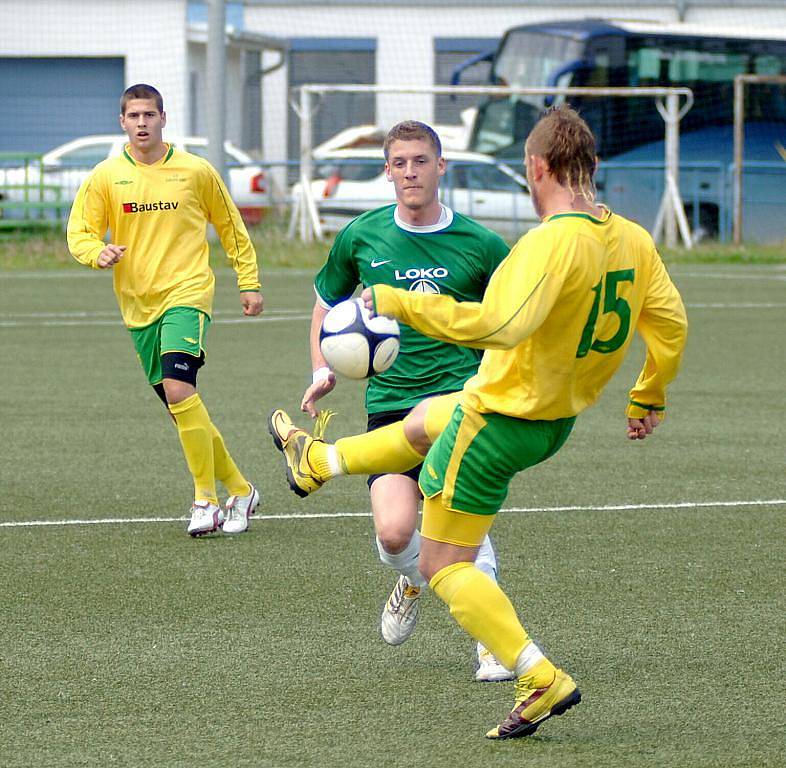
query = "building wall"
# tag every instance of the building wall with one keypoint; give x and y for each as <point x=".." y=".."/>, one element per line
<point x="405" y="44"/>
<point x="148" y="34"/>
<point x="151" y="35"/>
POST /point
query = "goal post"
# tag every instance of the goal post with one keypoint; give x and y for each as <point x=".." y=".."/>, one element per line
<point x="741" y="82"/>
<point x="672" y="104"/>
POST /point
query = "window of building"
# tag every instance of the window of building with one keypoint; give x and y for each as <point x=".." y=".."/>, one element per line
<point x="326" y="61"/>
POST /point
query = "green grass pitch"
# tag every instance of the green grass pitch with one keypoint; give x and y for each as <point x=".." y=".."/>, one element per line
<point x="660" y="589"/>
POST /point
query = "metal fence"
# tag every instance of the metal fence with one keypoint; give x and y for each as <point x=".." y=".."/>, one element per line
<point x="33" y="196"/>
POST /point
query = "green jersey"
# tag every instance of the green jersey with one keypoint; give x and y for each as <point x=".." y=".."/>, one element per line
<point x="456" y="257"/>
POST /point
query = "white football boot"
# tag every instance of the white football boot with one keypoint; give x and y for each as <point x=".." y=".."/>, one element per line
<point x="206" y="517"/>
<point x="400" y="614"/>
<point x="238" y="510"/>
<point x="489" y="669"/>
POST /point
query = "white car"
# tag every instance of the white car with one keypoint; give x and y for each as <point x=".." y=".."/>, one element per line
<point x="350" y="181"/>
<point x="61" y="171"/>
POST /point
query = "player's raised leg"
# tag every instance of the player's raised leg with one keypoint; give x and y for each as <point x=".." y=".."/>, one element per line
<point x="310" y="461"/>
<point x="394" y="448"/>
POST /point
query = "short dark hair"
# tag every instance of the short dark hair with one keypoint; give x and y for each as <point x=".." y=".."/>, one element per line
<point x="141" y="91"/>
<point x="564" y="140"/>
<point x="410" y="130"/>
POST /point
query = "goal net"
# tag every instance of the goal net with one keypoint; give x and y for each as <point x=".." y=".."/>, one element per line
<point x="340" y="177"/>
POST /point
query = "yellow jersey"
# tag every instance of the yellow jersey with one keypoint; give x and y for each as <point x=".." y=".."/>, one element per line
<point x="557" y="318"/>
<point x="160" y="213"/>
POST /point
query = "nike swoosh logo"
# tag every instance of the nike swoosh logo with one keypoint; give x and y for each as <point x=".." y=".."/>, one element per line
<point x="379" y="263"/>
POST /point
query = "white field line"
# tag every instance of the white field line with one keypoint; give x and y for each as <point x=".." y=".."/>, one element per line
<point x="228" y="317"/>
<point x="94" y="274"/>
<point x="776" y="275"/>
<point x="34" y="322"/>
<point x="80" y="313"/>
<point x="335" y="515"/>
<point x="736" y="305"/>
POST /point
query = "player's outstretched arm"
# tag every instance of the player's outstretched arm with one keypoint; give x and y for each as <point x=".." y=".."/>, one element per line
<point x="518" y="298"/>
<point x="323" y="379"/>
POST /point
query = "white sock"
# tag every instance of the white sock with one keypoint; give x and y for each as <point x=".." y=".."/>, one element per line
<point x="486" y="560"/>
<point x="528" y="658"/>
<point x="334" y="462"/>
<point x="406" y="561"/>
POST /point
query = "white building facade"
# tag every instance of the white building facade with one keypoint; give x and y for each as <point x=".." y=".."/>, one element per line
<point x="64" y="63"/>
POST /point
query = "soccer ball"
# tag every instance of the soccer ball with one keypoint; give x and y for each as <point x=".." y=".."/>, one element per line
<point x="356" y="345"/>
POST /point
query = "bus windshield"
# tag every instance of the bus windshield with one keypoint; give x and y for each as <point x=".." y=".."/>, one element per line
<point x="526" y="60"/>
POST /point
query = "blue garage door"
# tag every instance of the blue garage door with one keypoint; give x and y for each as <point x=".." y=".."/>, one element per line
<point x="48" y="101"/>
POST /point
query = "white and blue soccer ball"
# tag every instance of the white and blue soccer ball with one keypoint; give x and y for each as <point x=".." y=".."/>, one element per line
<point x="355" y="345"/>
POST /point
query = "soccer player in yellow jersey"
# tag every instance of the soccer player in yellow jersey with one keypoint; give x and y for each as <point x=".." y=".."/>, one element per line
<point x="556" y="320"/>
<point x="156" y="202"/>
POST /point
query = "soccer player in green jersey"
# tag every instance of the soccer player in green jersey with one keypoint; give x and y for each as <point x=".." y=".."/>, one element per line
<point x="156" y="202"/>
<point x="423" y="246"/>
<point x="556" y="320"/>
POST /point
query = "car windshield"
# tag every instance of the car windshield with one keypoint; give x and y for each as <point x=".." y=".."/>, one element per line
<point x="201" y="151"/>
<point x="350" y="169"/>
<point x="87" y="156"/>
<point x="480" y="176"/>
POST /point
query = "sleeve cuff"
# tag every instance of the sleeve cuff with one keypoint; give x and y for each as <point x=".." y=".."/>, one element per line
<point x="636" y="410"/>
<point x="378" y="293"/>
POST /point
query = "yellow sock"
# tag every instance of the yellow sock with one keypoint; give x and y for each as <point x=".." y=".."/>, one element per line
<point x="382" y="450"/>
<point x="225" y="468"/>
<point x="195" y="432"/>
<point x="482" y="609"/>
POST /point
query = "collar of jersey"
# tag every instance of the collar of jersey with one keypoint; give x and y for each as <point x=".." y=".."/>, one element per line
<point x="146" y="165"/>
<point x="576" y="215"/>
<point x="445" y="220"/>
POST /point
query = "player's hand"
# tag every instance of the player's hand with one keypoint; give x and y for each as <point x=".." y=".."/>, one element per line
<point x="316" y="391"/>
<point x="252" y="302"/>
<point x="367" y="297"/>
<point x="110" y="256"/>
<point x="638" y="429"/>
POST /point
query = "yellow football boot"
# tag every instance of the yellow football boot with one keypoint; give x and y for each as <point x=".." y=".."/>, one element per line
<point x="534" y="705"/>
<point x="296" y="444"/>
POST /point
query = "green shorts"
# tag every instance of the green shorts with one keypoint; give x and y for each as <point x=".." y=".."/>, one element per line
<point x="472" y="462"/>
<point x="179" y="329"/>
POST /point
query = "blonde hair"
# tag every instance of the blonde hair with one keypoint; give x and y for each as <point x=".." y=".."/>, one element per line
<point x="565" y="142"/>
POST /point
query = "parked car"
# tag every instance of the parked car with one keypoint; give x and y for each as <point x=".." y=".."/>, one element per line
<point x="350" y="181"/>
<point x="62" y="170"/>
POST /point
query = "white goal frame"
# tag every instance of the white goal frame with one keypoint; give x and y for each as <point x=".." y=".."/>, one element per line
<point x="740" y="81"/>
<point x="669" y="221"/>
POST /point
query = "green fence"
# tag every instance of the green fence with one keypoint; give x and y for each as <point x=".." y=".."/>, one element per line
<point x="27" y="200"/>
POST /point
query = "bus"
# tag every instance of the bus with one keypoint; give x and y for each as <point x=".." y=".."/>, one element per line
<point x="630" y="131"/>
